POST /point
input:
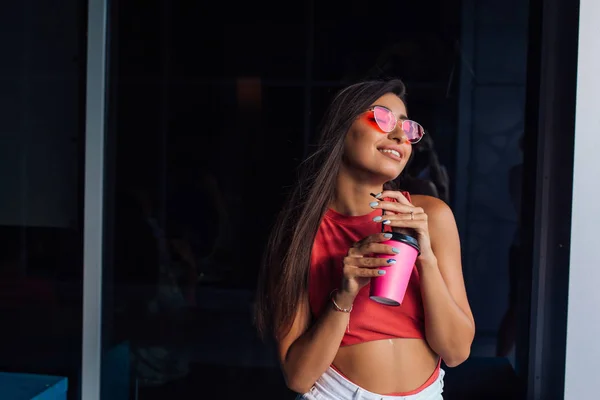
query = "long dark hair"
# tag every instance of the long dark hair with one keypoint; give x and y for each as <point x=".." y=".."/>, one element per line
<point x="283" y="277"/>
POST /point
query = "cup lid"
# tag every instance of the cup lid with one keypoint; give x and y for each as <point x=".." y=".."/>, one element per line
<point x="409" y="240"/>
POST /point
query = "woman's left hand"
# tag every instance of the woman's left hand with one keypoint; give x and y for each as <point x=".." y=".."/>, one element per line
<point x="401" y="215"/>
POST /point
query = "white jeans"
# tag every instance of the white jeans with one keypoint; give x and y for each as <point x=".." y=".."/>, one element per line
<point x="333" y="386"/>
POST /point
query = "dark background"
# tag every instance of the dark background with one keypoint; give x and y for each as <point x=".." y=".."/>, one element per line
<point x="239" y="92"/>
<point x="211" y="107"/>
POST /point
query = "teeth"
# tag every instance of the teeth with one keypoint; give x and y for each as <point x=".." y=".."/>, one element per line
<point x="394" y="152"/>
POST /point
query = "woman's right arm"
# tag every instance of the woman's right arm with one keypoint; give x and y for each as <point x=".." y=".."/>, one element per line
<point x="306" y="353"/>
<point x="309" y="347"/>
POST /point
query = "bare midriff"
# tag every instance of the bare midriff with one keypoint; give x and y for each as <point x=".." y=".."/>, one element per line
<point x="387" y="366"/>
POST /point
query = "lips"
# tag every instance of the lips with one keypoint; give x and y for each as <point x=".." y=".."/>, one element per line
<point x="393" y="152"/>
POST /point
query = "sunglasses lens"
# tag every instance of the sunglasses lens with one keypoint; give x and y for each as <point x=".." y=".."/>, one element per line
<point x="413" y="130"/>
<point x="385" y="119"/>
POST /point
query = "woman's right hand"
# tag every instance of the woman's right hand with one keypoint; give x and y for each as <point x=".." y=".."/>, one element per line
<point x="361" y="263"/>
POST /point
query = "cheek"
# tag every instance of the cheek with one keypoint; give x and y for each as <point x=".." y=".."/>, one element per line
<point x="358" y="144"/>
<point x="362" y="135"/>
<point x="353" y="152"/>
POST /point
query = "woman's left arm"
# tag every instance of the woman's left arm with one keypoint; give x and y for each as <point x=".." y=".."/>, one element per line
<point x="449" y="323"/>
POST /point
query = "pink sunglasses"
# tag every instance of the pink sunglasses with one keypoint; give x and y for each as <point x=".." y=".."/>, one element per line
<point x="387" y="121"/>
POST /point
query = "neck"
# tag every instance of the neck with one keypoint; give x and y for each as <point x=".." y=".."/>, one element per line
<point x="353" y="194"/>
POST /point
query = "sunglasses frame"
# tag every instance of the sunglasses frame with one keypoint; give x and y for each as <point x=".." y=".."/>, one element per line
<point x="372" y="109"/>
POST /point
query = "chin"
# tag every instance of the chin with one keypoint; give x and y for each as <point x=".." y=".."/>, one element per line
<point x="387" y="176"/>
<point x="392" y="173"/>
<point x="376" y="172"/>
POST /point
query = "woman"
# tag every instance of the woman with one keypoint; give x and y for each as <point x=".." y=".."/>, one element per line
<point x="313" y="295"/>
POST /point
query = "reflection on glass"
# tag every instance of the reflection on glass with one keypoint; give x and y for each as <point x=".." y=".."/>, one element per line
<point x="507" y="331"/>
<point x="425" y="174"/>
<point x="41" y="169"/>
<point x="213" y="115"/>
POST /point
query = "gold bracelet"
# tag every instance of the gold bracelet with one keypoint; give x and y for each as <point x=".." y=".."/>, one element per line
<point x="338" y="308"/>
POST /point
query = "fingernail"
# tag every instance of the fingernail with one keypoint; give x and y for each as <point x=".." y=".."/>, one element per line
<point x="387" y="222"/>
<point x="395" y="250"/>
<point x="391" y="261"/>
<point x="377" y="219"/>
<point x="374" y="204"/>
<point x="381" y="272"/>
<point x="387" y="236"/>
<point x="378" y="195"/>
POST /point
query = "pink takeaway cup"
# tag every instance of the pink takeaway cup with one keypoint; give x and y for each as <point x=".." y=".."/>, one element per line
<point x="389" y="289"/>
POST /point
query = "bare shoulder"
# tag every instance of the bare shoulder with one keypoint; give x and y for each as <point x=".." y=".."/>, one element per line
<point x="441" y="221"/>
<point x="433" y="206"/>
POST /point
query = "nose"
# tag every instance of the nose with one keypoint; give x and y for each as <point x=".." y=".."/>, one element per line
<point x="398" y="135"/>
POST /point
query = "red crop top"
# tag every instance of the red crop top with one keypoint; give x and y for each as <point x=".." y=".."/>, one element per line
<point x="369" y="320"/>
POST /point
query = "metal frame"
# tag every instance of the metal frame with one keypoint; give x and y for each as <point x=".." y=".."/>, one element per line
<point x="94" y="199"/>
<point x="547" y="189"/>
<point x="583" y="326"/>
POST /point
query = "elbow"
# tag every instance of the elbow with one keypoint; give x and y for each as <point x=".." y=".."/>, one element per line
<point x="453" y="350"/>
<point x="297" y="384"/>
<point x="297" y="381"/>
<point x="300" y="389"/>
<point x="459" y="357"/>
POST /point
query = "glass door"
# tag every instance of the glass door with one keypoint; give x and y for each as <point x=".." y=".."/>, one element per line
<point x="42" y="147"/>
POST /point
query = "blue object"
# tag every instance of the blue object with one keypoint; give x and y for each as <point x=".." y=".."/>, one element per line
<point x="116" y="373"/>
<point x="14" y="386"/>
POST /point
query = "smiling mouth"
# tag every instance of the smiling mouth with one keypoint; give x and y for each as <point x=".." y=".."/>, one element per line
<point x="392" y="152"/>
